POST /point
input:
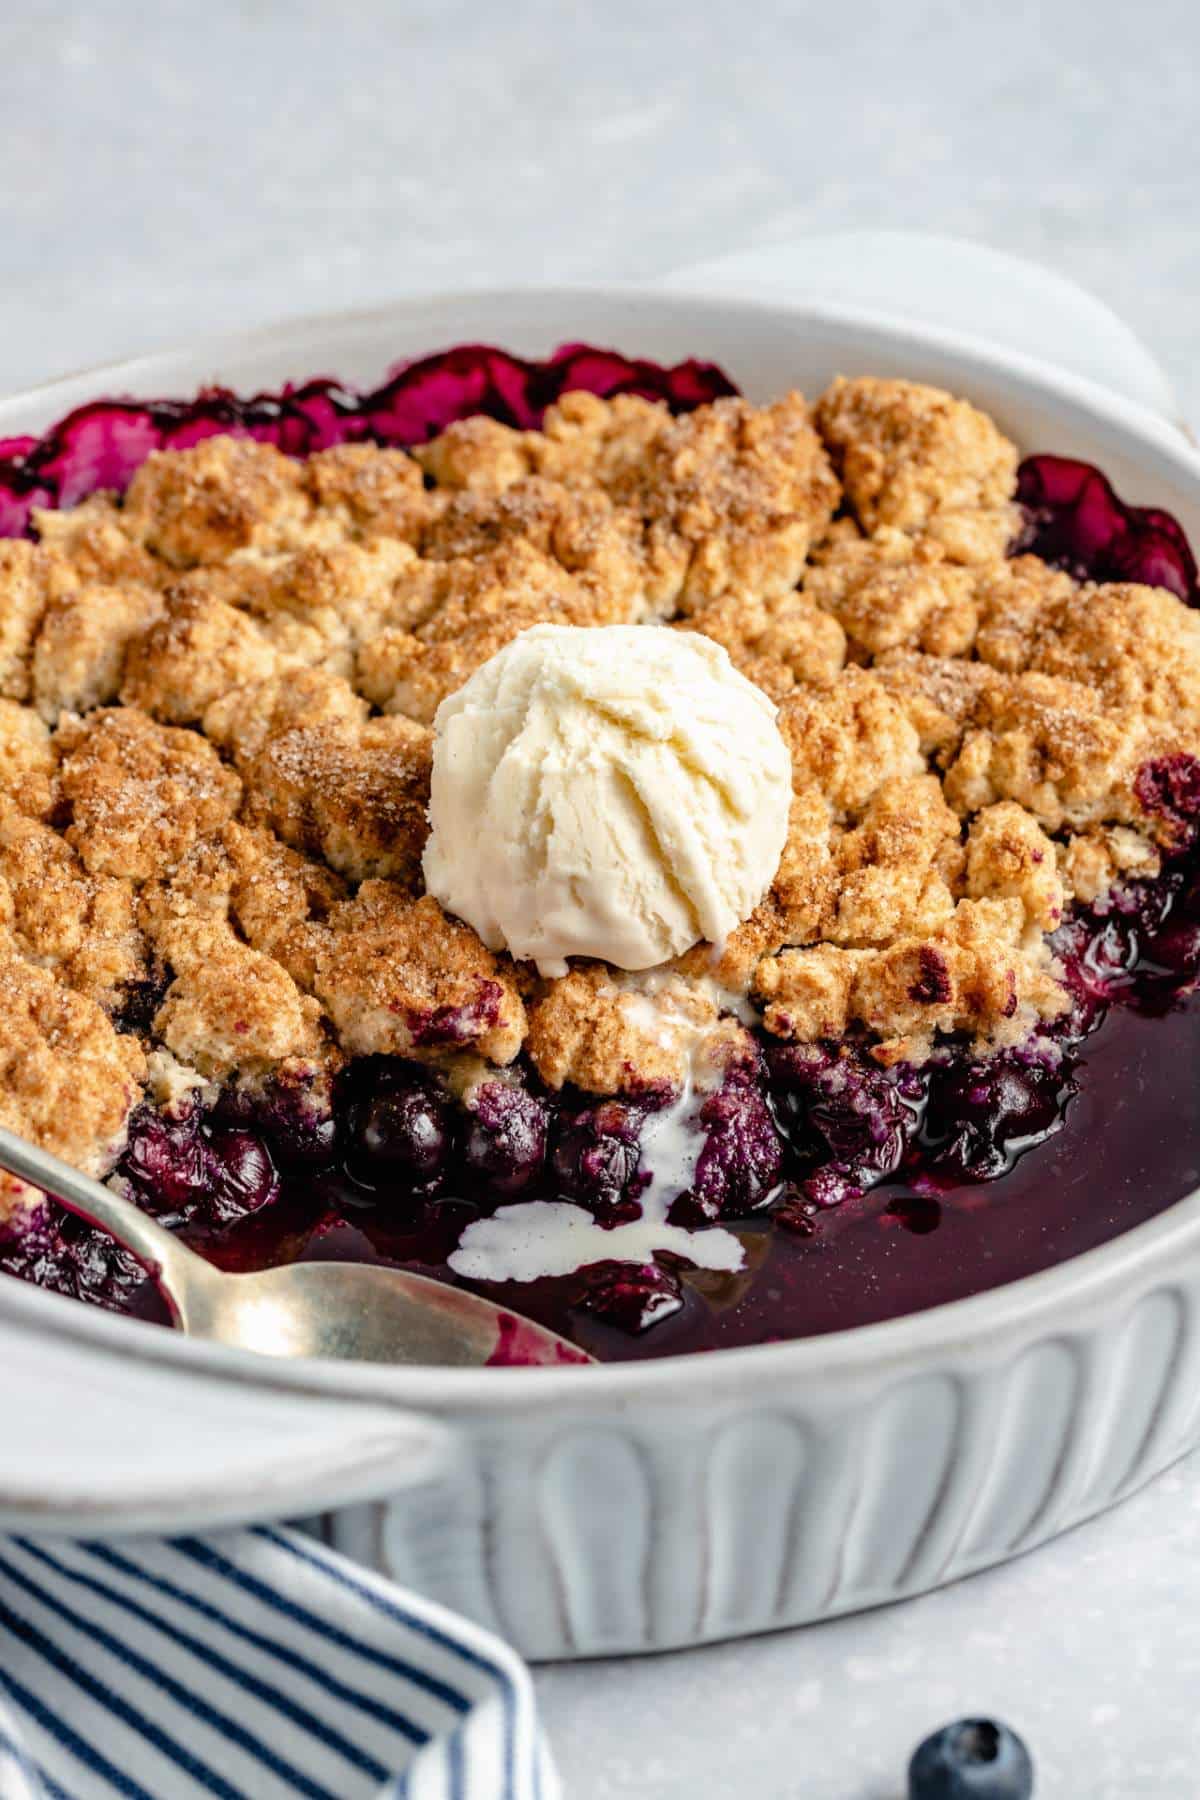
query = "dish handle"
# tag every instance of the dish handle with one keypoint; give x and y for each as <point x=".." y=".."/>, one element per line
<point x="956" y="285"/>
<point x="96" y="1441"/>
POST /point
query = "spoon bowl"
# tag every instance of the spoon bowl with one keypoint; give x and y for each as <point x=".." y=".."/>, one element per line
<point x="353" y="1312"/>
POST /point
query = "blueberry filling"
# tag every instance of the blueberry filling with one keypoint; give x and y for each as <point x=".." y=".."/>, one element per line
<point x="191" y="1170"/>
<point x="856" y="1190"/>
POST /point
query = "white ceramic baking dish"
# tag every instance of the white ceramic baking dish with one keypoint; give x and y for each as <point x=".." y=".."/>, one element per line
<point x="636" y="1507"/>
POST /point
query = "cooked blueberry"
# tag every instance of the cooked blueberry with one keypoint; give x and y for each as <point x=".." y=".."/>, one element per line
<point x="796" y="1212"/>
<point x="1170" y="787"/>
<point x="981" y="1116"/>
<point x="302" y="1140"/>
<point x="242" y="1177"/>
<point x="166" y="1159"/>
<point x="139" y="1003"/>
<point x="742" y="1158"/>
<point x="849" y="1122"/>
<point x="1176" y="949"/>
<point x="630" y="1296"/>
<point x="596" y="1156"/>
<point x="405" y="1134"/>
<point x="294" y="1114"/>
<point x="506" y="1140"/>
<point x="68" y="1257"/>
<point x="974" y="1759"/>
<point x="918" y="1213"/>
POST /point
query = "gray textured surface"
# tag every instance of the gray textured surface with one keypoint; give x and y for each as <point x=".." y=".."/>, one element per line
<point x="180" y="168"/>
<point x="172" y="167"/>
<point x="1090" y="1647"/>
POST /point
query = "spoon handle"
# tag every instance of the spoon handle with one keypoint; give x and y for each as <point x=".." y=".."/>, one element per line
<point x="154" y="1246"/>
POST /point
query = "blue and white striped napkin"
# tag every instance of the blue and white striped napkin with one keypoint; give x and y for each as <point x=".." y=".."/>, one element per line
<point x="253" y="1665"/>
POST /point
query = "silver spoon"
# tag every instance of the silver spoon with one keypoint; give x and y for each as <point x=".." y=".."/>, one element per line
<point x="356" y="1312"/>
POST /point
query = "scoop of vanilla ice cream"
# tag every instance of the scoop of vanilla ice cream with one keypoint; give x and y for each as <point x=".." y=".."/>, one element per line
<point x="617" y="791"/>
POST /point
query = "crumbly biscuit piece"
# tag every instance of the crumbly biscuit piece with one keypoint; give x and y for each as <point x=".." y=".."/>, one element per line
<point x="476" y="605"/>
<point x="848" y="739"/>
<point x="368" y="492"/>
<point x="586" y="440"/>
<point x="941" y="696"/>
<point x="899" y="870"/>
<point x="732" y="497"/>
<point x="973" y="974"/>
<point x="90" y="545"/>
<point x="198" y="650"/>
<point x="479" y="455"/>
<point x="1136" y="647"/>
<point x="804" y="892"/>
<point x="579" y="528"/>
<point x="80" y="650"/>
<point x="609" y="1035"/>
<point x="1093" y="861"/>
<point x="890" y="590"/>
<point x="280" y="899"/>
<point x="351" y="790"/>
<point x="778" y="643"/>
<point x="1045" y="743"/>
<point x="399" y="978"/>
<point x="1014" y="596"/>
<point x="805" y="993"/>
<point x="68" y="1080"/>
<point x="26" y="583"/>
<point x="915" y="458"/>
<point x="276" y="899"/>
<point x="82" y="926"/>
<point x="1009" y="856"/>
<point x="312" y="606"/>
<point x="344" y="592"/>
<point x="230" y="1006"/>
<point x="245" y="718"/>
<point x="28" y="764"/>
<point x="224" y="494"/>
<point x="141" y="794"/>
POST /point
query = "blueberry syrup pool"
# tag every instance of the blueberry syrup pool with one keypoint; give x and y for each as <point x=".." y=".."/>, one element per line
<point x="858" y="1194"/>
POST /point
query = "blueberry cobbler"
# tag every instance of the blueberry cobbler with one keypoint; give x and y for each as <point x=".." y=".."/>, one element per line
<point x="697" y="872"/>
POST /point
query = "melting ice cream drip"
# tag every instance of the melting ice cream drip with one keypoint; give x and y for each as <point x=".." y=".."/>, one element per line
<point x="536" y="1238"/>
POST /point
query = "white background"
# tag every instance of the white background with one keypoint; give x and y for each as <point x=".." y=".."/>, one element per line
<point x="167" y="168"/>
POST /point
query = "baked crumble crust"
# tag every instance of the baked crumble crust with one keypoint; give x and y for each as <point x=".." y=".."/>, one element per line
<point x="361" y="491"/>
<point x="330" y="780"/>
<point x="81" y="925"/>
<point x="731" y="497"/>
<point x="25" y="588"/>
<point x="28" y="760"/>
<point x="610" y="1034"/>
<point x="919" y="460"/>
<point x="91" y="543"/>
<point x="242" y="833"/>
<point x="465" y="609"/>
<point x="141" y="794"/>
<point x="890" y="590"/>
<point x="79" y="653"/>
<point x="68" y="1079"/>
<point x="230" y="1007"/>
<point x="224" y="494"/>
<point x="399" y="978"/>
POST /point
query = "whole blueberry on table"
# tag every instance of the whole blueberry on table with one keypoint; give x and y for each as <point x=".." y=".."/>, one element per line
<point x="973" y="1759"/>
